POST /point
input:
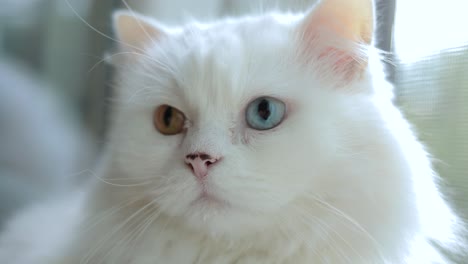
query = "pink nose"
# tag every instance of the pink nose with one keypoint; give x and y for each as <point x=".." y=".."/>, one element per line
<point x="199" y="163"/>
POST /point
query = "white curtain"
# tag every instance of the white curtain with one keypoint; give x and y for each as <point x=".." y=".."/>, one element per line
<point x="431" y="45"/>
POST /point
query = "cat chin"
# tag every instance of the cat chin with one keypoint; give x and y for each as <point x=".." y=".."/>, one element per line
<point x="231" y="224"/>
<point x="214" y="217"/>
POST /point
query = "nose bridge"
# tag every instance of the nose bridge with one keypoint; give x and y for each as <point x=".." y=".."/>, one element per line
<point x="208" y="138"/>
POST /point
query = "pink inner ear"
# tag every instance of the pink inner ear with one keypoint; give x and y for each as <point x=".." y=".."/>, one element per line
<point x="330" y="58"/>
<point x="342" y="63"/>
<point x="340" y="59"/>
<point x="333" y="50"/>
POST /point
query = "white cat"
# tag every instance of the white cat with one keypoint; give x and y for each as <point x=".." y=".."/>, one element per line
<point x="267" y="139"/>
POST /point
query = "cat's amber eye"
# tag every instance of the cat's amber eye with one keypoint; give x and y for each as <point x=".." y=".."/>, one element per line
<point x="168" y="120"/>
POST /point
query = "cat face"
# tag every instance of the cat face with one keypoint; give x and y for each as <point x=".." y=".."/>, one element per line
<point x="236" y="123"/>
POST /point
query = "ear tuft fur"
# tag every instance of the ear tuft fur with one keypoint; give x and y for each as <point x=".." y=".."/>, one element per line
<point x="135" y="31"/>
<point x="337" y="33"/>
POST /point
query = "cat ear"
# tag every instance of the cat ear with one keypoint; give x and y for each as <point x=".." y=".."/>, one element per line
<point x="336" y="33"/>
<point x="134" y="31"/>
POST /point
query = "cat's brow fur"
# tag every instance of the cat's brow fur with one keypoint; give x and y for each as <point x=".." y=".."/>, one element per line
<point x="342" y="179"/>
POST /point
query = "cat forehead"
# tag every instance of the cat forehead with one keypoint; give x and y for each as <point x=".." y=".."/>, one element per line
<point x="229" y="57"/>
<point x="245" y="25"/>
<point x="219" y="39"/>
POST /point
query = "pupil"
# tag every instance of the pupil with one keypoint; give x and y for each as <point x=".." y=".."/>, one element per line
<point x="167" y="116"/>
<point x="264" y="109"/>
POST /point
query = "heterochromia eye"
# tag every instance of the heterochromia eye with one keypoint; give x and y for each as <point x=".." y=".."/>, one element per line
<point x="168" y="120"/>
<point x="265" y="113"/>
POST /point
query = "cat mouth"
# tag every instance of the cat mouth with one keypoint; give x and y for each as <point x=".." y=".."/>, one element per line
<point x="209" y="199"/>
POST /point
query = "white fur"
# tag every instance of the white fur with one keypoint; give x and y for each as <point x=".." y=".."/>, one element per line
<point x="342" y="180"/>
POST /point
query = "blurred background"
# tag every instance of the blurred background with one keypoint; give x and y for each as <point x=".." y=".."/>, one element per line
<point x="56" y="47"/>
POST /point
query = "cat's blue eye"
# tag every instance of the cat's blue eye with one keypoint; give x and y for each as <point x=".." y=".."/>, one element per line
<point x="265" y="113"/>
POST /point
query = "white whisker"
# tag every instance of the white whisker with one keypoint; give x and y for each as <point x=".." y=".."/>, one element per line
<point x="139" y="23"/>
<point x="96" y="30"/>
<point x="102" y="243"/>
